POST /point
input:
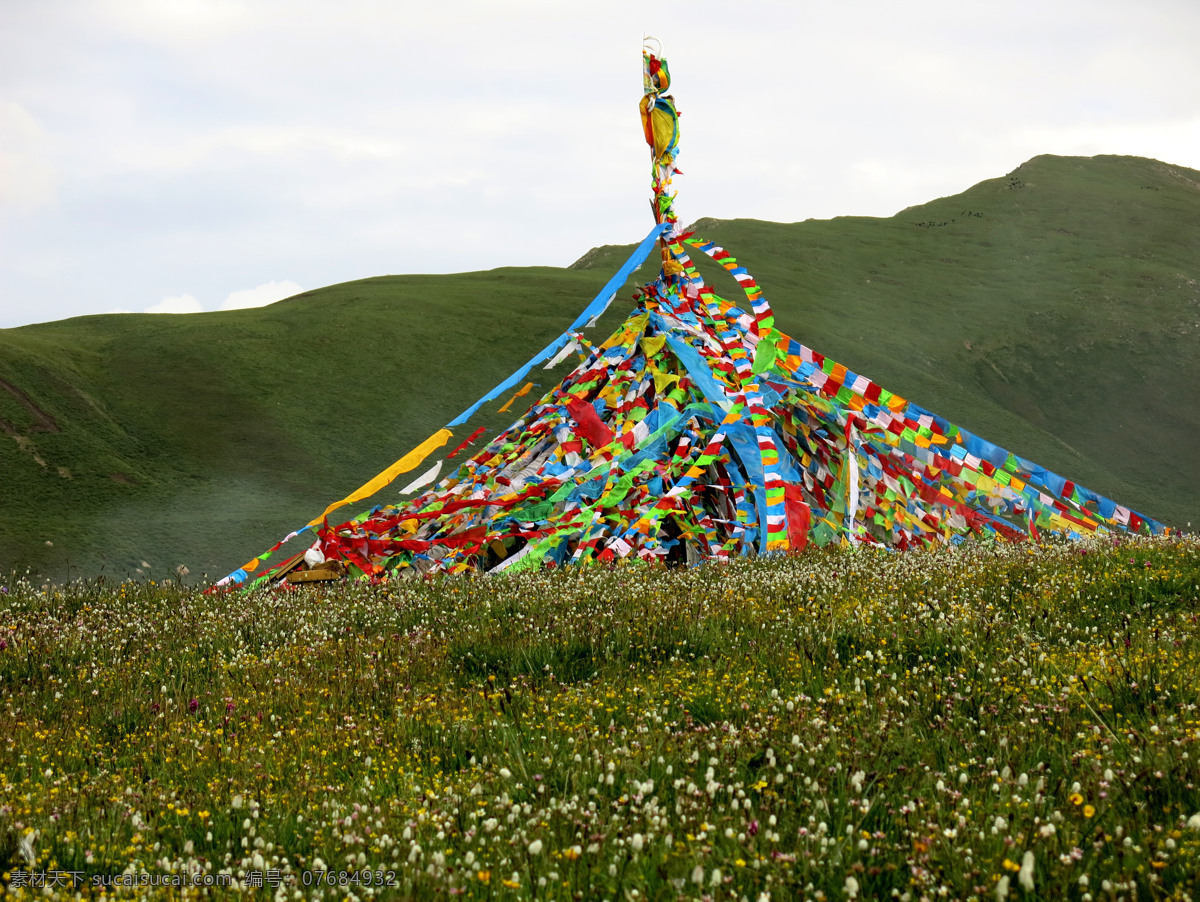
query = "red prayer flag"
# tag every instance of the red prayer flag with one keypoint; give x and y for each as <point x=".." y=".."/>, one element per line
<point x="474" y="435"/>
<point x="591" y="427"/>
<point x="798" y="516"/>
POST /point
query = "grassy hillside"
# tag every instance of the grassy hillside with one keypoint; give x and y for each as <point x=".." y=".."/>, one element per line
<point x="1055" y="311"/>
<point x="202" y="439"/>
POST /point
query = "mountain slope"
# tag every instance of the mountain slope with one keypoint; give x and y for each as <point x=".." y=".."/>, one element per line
<point x="203" y="438"/>
<point x="1054" y="311"/>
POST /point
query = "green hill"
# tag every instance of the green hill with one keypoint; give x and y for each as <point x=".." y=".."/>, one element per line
<point x="1055" y="311"/>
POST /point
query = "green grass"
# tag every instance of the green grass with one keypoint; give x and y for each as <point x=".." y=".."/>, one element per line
<point x="917" y="725"/>
<point x="1054" y="311"/>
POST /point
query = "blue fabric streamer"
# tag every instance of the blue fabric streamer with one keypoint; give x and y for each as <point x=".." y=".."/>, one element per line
<point x="595" y="308"/>
<point x="699" y="372"/>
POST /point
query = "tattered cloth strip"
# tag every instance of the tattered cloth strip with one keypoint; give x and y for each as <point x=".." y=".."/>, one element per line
<point x="520" y="394"/>
<point x="478" y="432"/>
<point x="429" y="475"/>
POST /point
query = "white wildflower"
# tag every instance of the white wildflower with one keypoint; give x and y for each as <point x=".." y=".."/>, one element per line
<point x="1025" y="875"/>
<point x="25" y="846"/>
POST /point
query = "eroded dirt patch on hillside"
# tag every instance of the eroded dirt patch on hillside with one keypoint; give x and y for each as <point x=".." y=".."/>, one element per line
<point x="43" y="422"/>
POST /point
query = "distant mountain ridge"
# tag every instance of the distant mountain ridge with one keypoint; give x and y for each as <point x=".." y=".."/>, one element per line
<point x="1054" y="310"/>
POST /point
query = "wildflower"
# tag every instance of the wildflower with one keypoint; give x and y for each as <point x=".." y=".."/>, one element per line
<point x="1025" y="877"/>
<point x="698" y="875"/>
<point x="636" y="842"/>
<point x="851" y="887"/>
<point x="1088" y="811"/>
<point x="1075" y="799"/>
<point x="1193" y="822"/>
<point x="25" y="846"/>
<point x="1002" y="888"/>
<point x="535" y="847"/>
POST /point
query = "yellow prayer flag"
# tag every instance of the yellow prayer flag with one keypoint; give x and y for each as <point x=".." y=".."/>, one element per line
<point x="523" y="391"/>
<point x="652" y="344"/>
<point x="409" y="461"/>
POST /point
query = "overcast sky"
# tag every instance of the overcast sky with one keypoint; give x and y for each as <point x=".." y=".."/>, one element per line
<point x="175" y="155"/>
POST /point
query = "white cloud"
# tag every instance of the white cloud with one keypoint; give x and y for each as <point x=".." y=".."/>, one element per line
<point x="1166" y="140"/>
<point x="261" y="296"/>
<point x="179" y="22"/>
<point x="202" y="143"/>
<point x="27" y="178"/>
<point x="184" y="303"/>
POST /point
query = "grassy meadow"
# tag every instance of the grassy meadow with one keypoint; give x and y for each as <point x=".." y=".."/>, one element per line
<point x="982" y="722"/>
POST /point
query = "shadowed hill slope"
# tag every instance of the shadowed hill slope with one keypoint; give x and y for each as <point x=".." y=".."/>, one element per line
<point x="1055" y="311"/>
<point x="199" y="439"/>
